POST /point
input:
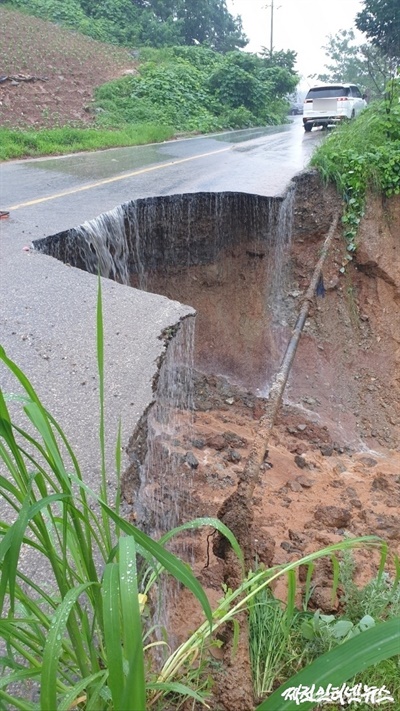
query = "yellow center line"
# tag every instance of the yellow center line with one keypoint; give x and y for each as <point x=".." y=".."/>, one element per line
<point x="115" y="179"/>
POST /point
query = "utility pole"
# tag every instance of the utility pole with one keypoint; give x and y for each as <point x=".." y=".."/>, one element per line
<point x="271" y="44"/>
<point x="271" y="36"/>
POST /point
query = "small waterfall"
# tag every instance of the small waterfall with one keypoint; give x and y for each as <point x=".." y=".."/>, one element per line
<point x="166" y="478"/>
<point x="278" y="262"/>
<point x="164" y="497"/>
<point x="137" y="241"/>
<point x="103" y="245"/>
<point x="209" y="250"/>
<point x="277" y="279"/>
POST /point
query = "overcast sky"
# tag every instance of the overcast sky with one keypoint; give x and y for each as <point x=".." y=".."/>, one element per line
<point x="302" y="25"/>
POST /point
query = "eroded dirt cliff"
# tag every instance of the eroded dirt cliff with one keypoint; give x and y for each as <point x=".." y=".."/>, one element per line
<point x="333" y="468"/>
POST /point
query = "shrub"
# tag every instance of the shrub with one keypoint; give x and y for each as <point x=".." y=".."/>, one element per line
<point x="361" y="155"/>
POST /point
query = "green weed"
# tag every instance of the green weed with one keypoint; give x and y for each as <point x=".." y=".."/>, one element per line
<point x="196" y="89"/>
<point x="272" y="628"/>
<point x="379" y="597"/>
<point x="76" y="638"/>
<point x="362" y="155"/>
<point x="286" y="641"/>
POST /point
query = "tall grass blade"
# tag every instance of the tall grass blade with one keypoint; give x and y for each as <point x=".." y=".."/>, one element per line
<point x="290" y="599"/>
<point x="38" y="416"/>
<point x="51" y="652"/>
<point x="10" y="547"/>
<point x="193" y="525"/>
<point x="118" y="463"/>
<point x="207" y="521"/>
<point x="134" y="697"/>
<point x="6" y="428"/>
<point x="112" y="633"/>
<point x="67" y="702"/>
<point x="19" y="704"/>
<point x="6" y="485"/>
<point x="12" y="541"/>
<point x="100" y="368"/>
<point x="100" y="698"/>
<point x="18" y="676"/>
<point x="170" y="562"/>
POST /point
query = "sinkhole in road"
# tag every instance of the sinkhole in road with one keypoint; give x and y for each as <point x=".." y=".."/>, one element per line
<point x="229" y="256"/>
<point x="225" y="254"/>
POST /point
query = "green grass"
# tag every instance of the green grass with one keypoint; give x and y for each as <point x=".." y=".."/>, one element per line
<point x="285" y="641"/>
<point x="368" y="147"/>
<point x="362" y="155"/>
<point x="272" y="628"/>
<point x="197" y="89"/>
<point x="59" y="141"/>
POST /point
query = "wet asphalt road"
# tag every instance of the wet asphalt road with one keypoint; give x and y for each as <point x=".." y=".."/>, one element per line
<point x="47" y="309"/>
<point x="50" y="194"/>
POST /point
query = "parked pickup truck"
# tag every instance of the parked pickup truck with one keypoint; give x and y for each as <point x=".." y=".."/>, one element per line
<point x="329" y="104"/>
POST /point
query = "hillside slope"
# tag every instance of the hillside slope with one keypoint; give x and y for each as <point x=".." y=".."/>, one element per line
<point x="48" y="74"/>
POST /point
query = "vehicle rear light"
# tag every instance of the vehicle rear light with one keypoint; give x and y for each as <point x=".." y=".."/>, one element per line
<point x="343" y="98"/>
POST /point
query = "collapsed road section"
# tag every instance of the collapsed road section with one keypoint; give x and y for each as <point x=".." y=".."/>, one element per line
<point x="244" y="263"/>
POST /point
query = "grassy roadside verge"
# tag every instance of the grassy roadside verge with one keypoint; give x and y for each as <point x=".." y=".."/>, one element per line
<point x="18" y="143"/>
<point x="359" y="156"/>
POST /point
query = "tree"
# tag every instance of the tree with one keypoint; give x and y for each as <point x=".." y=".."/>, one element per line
<point x="286" y="59"/>
<point x="236" y="83"/>
<point x="280" y="81"/>
<point x="353" y="63"/>
<point x="209" y="22"/>
<point x="147" y="22"/>
<point x="380" y="22"/>
<point x="246" y="80"/>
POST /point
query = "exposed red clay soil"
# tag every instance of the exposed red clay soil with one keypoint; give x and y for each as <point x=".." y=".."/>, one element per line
<point x="312" y="493"/>
<point x="49" y="73"/>
<point x="333" y="467"/>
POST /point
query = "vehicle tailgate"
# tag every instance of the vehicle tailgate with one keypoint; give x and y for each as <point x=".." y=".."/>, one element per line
<point x="327" y="106"/>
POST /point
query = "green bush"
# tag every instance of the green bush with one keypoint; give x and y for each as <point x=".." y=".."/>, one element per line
<point x="240" y="118"/>
<point x="362" y="155"/>
<point x="77" y="635"/>
<point x="197" y="89"/>
<point x="68" y="12"/>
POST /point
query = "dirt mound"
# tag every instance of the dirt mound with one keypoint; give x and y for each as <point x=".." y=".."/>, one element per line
<point x="48" y="73"/>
